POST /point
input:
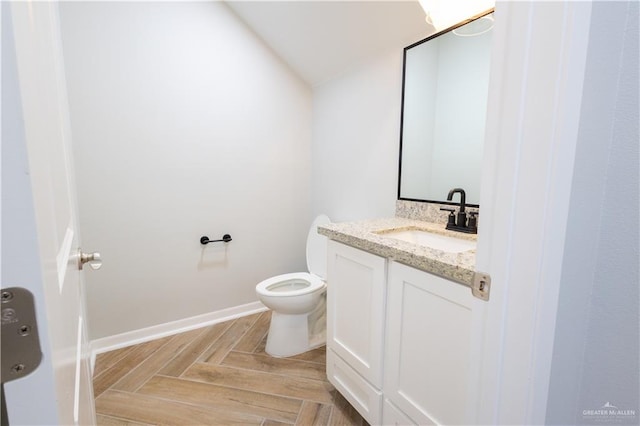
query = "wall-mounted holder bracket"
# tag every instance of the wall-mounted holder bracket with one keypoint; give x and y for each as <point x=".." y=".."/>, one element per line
<point x="225" y="239"/>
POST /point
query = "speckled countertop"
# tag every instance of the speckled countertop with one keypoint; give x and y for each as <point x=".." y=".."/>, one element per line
<point x="458" y="267"/>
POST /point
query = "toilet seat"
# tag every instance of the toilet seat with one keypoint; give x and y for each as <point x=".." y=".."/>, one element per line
<point x="299" y="283"/>
<point x="288" y="285"/>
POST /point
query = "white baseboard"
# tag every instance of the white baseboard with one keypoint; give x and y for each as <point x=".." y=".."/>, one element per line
<point x="110" y="343"/>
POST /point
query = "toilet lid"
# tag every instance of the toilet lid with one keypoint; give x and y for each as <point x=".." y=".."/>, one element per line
<point x="317" y="248"/>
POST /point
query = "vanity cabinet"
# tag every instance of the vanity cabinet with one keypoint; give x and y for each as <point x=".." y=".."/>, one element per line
<point x="355" y="326"/>
<point x="428" y="337"/>
<point x="398" y="339"/>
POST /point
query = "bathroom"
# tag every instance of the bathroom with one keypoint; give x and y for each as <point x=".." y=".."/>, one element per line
<point x="257" y="155"/>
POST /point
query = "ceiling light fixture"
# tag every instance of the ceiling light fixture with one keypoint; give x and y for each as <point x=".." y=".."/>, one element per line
<point x="442" y="14"/>
<point x="477" y="27"/>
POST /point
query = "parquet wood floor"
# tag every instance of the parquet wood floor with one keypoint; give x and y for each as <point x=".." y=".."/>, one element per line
<point x="217" y="375"/>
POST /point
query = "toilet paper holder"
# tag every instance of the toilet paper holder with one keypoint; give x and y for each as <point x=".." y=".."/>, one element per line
<point x="205" y="240"/>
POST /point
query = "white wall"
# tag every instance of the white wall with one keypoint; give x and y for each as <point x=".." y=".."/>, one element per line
<point x="356" y="130"/>
<point x="184" y="125"/>
<point x="596" y="350"/>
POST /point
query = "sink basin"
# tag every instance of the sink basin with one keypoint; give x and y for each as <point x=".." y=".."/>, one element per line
<point x="432" y="240"/>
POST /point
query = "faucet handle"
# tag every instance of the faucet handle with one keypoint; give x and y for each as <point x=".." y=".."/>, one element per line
<point x="473" y="220"/>
<point x="451" y="221"/>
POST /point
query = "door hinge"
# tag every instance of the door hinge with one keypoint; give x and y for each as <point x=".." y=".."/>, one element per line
<point x="20" y="351"/>
<point x="20" y="343"/>
<point x="481" y="286"/>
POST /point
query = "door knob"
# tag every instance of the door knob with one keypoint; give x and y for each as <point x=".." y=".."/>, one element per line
<point x="93" y="259"/>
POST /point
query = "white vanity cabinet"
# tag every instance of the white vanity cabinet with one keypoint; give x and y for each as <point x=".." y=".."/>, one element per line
<point x="356" y="283"/>
<point x="427" y="347"/>
<point x="398" y="339"/>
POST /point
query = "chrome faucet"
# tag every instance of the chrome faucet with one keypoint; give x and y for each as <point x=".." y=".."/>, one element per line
<point x="460" y="223"/>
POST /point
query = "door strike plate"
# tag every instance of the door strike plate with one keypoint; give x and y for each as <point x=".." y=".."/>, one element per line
<point x="20" y="351"/>
<point x="481" y="285"/>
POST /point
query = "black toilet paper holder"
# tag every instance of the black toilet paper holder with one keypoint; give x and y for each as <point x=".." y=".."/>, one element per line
<point x="205" y="240"/>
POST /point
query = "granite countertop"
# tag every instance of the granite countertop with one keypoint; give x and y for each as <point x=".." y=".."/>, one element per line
<point x="458" y="267"/>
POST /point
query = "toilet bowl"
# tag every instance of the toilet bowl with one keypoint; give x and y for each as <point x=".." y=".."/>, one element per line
<point x="298" y="301"/>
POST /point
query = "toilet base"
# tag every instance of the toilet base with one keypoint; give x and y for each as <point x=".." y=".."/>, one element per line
<point x="289" y="335"/>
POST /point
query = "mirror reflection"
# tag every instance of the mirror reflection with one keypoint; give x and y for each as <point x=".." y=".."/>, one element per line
<point x="445" y="86"/>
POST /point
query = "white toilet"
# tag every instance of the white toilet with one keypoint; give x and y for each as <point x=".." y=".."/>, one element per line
<point x="298" y="301"/>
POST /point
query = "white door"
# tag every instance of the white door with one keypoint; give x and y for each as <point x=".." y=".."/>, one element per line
<point x="533" y="112"/>
<point x="39" y="230"/>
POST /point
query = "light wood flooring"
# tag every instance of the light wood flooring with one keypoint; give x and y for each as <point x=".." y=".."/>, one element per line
<point x="217" y="375"/>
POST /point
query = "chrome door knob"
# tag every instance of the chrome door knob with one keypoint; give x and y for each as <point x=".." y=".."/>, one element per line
<point x="93" y="259"/>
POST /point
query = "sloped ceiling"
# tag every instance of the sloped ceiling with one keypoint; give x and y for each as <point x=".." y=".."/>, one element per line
<point x="322" y="39"/>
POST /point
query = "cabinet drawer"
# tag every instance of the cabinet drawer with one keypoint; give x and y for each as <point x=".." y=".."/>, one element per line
<point x="360" y="393"/>
<point x="392" y="416"/>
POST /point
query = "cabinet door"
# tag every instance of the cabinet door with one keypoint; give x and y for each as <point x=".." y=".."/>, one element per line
<point x="428" y="344"/>
<point x="355" y="309"/>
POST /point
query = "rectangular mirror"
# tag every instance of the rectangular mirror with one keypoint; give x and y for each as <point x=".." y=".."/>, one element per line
<point x="444" y="103"/>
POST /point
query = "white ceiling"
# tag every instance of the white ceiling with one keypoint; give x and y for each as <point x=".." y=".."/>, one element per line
<point x="322" y="39"/>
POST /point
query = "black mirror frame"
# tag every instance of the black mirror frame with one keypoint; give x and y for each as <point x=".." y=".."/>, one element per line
<point x="404" y="66"/>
